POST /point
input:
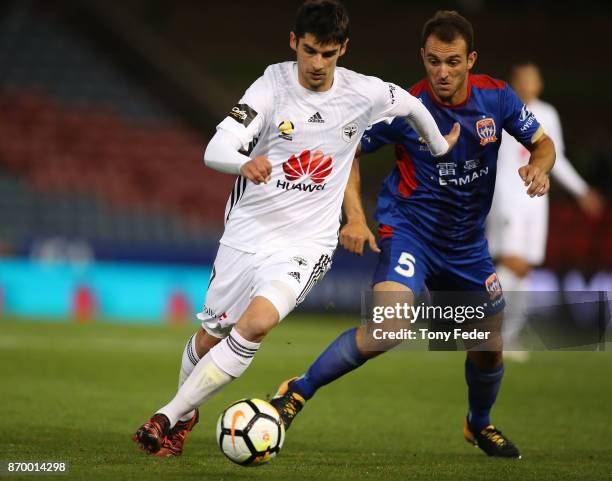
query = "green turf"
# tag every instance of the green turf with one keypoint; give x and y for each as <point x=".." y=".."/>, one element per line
<point x="76" y="393"/>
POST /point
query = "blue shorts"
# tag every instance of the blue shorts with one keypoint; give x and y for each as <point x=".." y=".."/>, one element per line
<point x="468" y="275"/>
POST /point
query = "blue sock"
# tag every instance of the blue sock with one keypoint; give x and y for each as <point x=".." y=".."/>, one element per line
<point x="483" y="387"/>
<point x="340" y="357"/>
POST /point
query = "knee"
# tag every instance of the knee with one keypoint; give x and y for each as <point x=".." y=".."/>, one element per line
<point x="259" y="318"/>
<point x="256" y="328"/>
<point x="204" y="342"/>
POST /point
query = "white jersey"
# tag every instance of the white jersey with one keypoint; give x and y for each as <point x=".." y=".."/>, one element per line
<point x="518" y="224"/>
<point x="310" y="139"/>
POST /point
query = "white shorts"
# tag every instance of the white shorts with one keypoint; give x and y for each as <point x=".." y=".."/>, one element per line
<point x="284" y="277"/>
<point x="518" y="226"/>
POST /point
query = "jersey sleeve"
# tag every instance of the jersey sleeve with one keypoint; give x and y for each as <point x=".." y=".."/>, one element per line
<point x="518" y="120"/>
<point x="390" y="100"/>
<point x="393" y="101"/>
<point x="563" y="170"/>
<point x="247" y="118"/>
<point x="387" y="131"/>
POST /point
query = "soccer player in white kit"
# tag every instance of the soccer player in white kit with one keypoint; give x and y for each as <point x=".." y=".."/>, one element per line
<point x="517" y="224"/>
<point x="291" y="140"/>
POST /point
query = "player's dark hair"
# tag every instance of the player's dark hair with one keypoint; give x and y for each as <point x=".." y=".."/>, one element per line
<point x="447" y="25"/>
<point x="327" y="20"/>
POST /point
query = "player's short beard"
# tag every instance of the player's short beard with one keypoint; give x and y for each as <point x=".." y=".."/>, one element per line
<point x="447" y="98"/>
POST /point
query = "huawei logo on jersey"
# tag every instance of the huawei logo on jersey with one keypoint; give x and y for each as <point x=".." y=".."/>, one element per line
<point x="308" y="165"/>
<point x="315" y="165"/>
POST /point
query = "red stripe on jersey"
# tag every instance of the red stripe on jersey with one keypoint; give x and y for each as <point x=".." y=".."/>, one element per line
<point x="408" y="183"/>
<point x="384" y="231"/>
<point x="417" y="88"/>
<point x="485" y="82"/>
<point x="479" y="81"/>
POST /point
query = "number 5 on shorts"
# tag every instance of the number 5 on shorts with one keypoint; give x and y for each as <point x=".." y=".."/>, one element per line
<point x="405" y="265"/>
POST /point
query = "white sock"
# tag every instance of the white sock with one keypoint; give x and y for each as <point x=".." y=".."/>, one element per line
<point x="204" y="381"/>
<point x="189" y="361"/>
<point x="221" y="365"/>
<point x="234" y="353"/>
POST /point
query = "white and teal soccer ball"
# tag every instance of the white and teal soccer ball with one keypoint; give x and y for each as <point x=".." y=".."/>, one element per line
<point x="250" y="432"/>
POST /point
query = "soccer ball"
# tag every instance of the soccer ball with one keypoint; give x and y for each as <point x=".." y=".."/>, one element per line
<point x="250" y="432"/>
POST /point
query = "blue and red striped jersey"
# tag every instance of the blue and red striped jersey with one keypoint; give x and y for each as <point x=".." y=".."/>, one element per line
<point x="446" y="199"/>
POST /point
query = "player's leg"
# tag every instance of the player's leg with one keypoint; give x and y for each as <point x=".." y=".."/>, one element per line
<point x="347" y="352"/>
<point x="355" y="346"/>
<point x="401" y="270"/>
<point x="275" y="292"/>
<point x="513" y="271"/>
<point x="507" y="233"/>
<point x="226" y="299"/>
<point x="518" y="241"/>
<point x="223" y="363"/>
<point x="484" y="371"/>
<point x="484" y="368"/>
<point x="197" y="346"/>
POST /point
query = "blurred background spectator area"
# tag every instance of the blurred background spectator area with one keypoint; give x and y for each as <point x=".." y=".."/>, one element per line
<point x="89" y="151"/>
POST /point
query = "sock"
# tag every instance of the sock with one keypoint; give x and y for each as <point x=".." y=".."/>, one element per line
<point x="221" y="365"/>
<point x="340" y="357"/>
<point x="204" y="381"/>
<point x="483" y="387"/>
<point x="234" y="353"/>
<point x="189" y="361"/>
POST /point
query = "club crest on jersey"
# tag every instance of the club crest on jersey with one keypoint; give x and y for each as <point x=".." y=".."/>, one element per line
<point x="493" y="286"/>
<point x="286" y="129"/>
<point x="349" y="131"/>
<point x="486" y="130"/>
<point x="313" y="166"/>
<point x="300" y="261"/>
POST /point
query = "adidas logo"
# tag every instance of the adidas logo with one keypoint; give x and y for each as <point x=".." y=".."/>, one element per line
<point x="295" y="275"/>
<point x="317" y="119"/>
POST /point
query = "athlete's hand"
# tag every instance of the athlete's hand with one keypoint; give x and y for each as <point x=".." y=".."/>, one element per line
<point x="592" y="203"/>
<point x="354" y="235"/>
<point x="257" y="170"/>
<point x="453" y="136"/>
<point x="535" y="179"/>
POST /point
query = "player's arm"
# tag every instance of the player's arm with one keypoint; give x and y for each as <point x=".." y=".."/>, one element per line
<point x="564" y="172"/>
<point x="519" y="122"/>
<point x="226" y="150"/>
<point x="397" y="102"/>
<point x="355" y="233"/>
<point x="223" y="154"/>
<point x="542" y="159"/>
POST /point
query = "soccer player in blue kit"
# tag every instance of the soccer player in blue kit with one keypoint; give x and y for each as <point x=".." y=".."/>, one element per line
<point x="431" y="213"/>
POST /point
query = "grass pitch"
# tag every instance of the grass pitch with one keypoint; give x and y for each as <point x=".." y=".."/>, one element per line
<point x="77" y="393"/>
